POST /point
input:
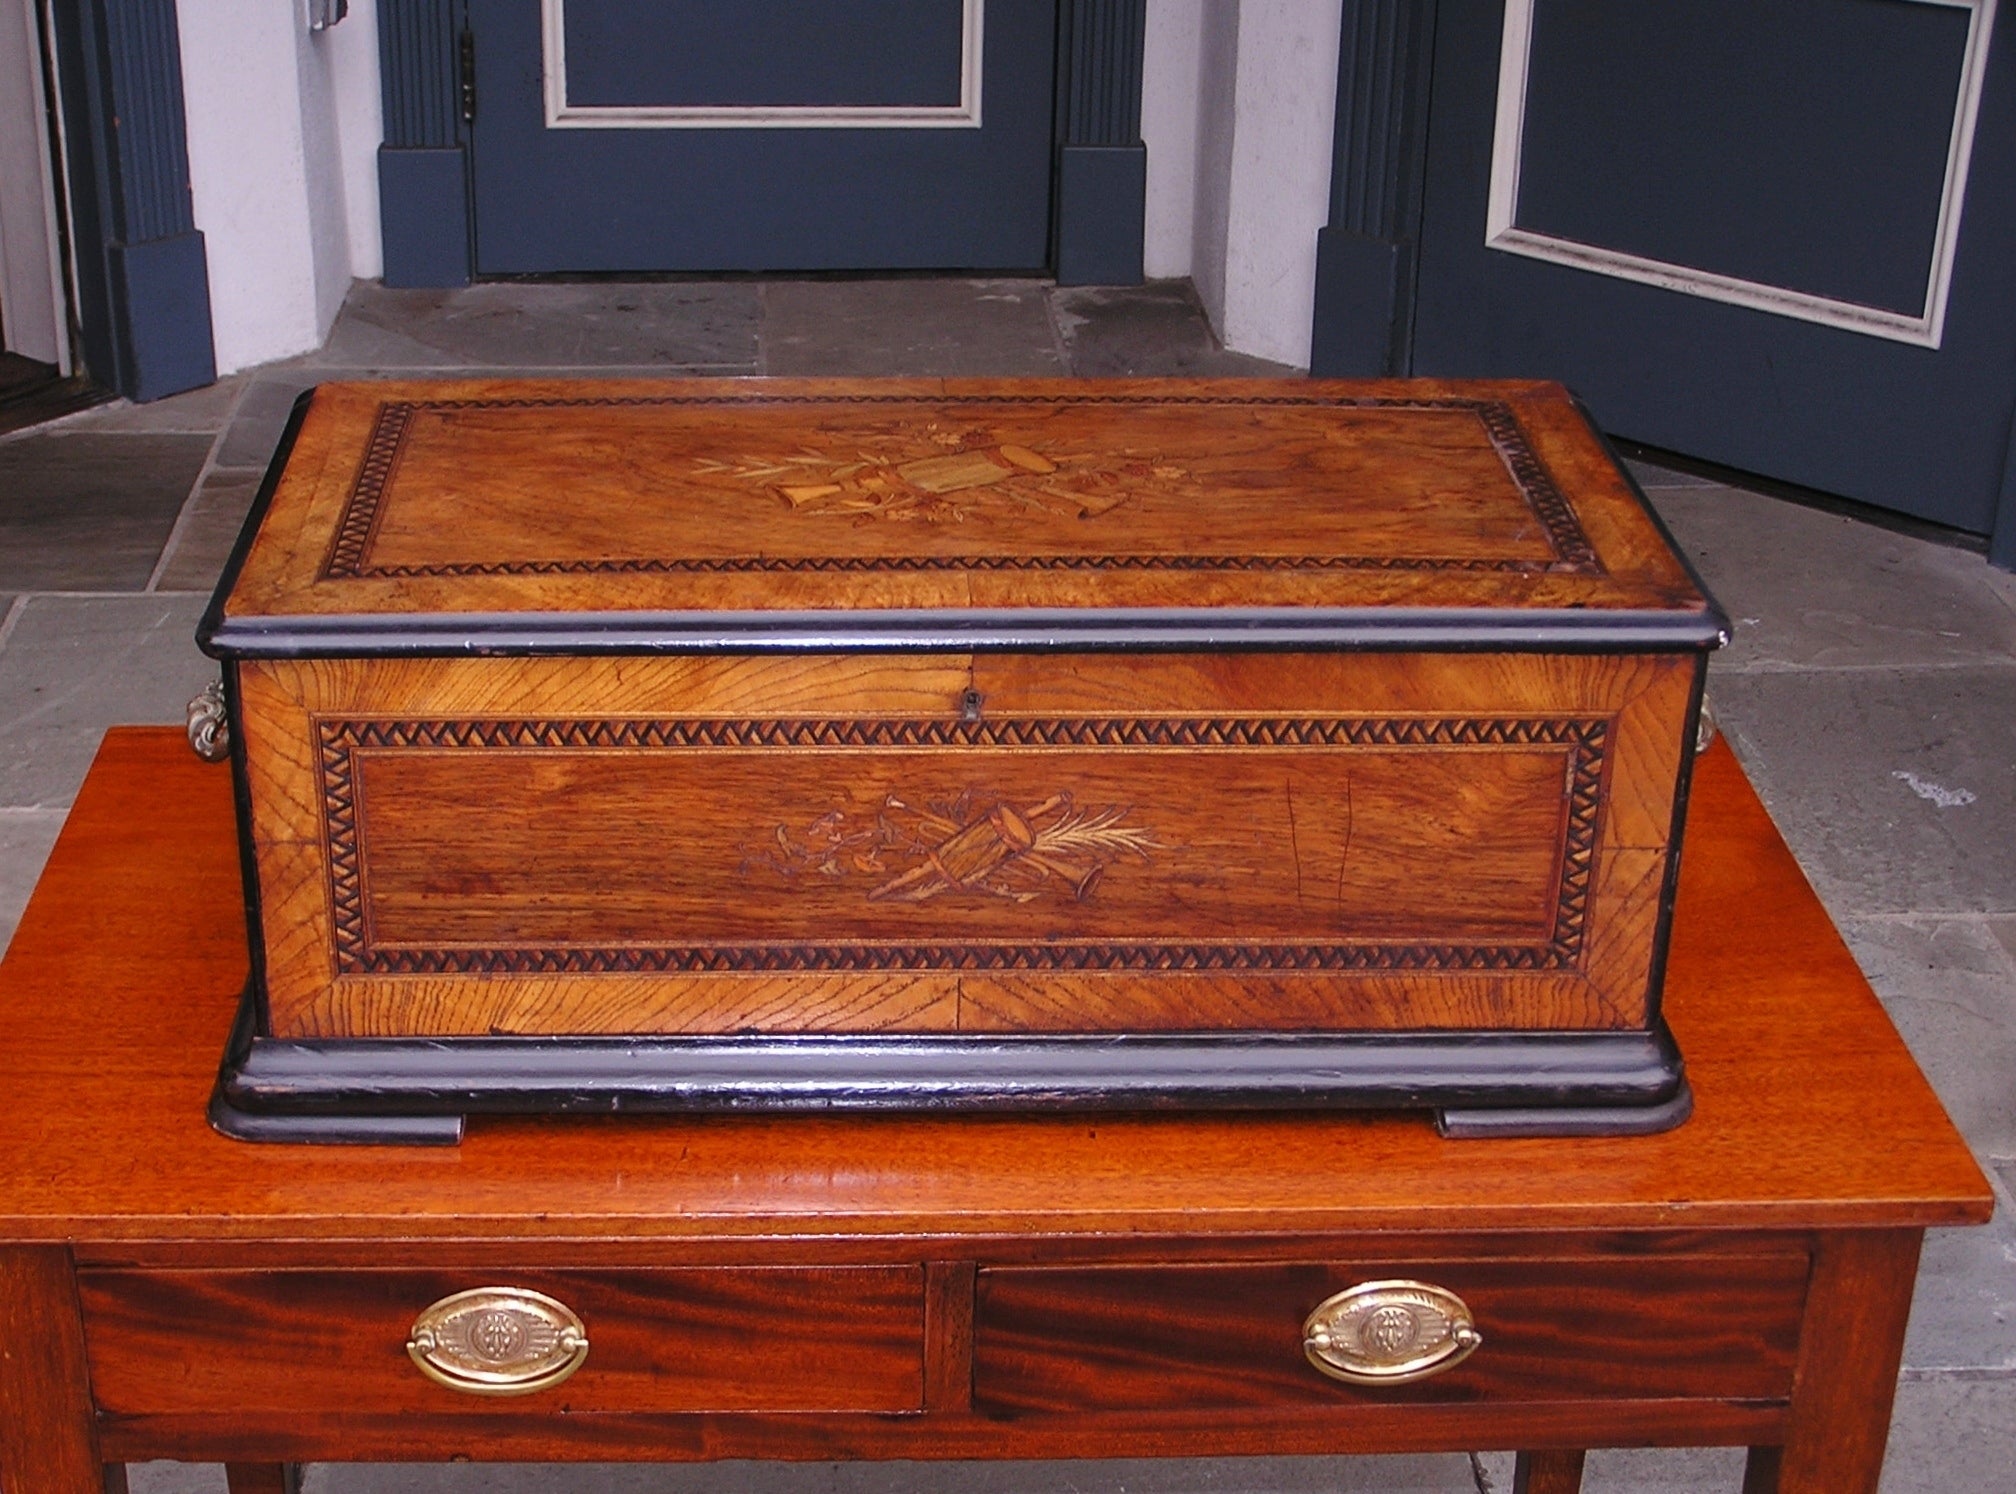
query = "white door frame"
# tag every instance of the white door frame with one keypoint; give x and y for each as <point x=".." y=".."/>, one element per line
<point x="33" y="301"/>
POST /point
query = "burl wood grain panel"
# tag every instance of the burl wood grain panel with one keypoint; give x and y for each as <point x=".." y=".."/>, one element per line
<point x="747" y="1339"/>
<point x="1173" y="843"/>
<point x="1176" y="1338"/>
<point x="700" y="495"/>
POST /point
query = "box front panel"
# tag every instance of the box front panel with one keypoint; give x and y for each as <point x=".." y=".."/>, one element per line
<point x="1051" y="844"/>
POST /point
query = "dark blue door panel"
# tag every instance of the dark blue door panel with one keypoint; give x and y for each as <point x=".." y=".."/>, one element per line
<point x="777" y="52"/>
<point x="1729" y="230"/>
<point x="763" y="135"/>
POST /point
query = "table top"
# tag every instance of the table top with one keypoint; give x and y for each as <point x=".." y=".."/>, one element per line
<point x="121" y="983"/>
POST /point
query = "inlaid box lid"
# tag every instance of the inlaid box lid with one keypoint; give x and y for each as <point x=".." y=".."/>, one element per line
<point x="614" y="517"/>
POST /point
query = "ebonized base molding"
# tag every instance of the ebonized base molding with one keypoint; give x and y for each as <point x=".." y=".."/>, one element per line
<point x="417" y="1090"/>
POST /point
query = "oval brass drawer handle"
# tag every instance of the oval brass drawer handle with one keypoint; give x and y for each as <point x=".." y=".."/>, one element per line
<point x="1389" y="1333"/>
<point x="498" y="1341"/>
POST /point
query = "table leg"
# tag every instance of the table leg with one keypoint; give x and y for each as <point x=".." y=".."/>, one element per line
<point x="1556" y="1472"/>
<point x="48" y="1432"/>
<point x="1849" y="1352"/>
<point x="263" y="1478"/>
<point x="1760" y="1471"/>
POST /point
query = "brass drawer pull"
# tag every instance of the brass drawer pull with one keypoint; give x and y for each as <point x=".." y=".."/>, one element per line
<point x="1389" y="1333"/>
<point x="498" y="1341"/>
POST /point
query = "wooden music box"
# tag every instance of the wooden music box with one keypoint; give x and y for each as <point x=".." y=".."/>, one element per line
<point x="913" y="744"/>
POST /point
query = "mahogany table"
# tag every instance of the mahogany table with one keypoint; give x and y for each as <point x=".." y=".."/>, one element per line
<point x="940" y="1288"/>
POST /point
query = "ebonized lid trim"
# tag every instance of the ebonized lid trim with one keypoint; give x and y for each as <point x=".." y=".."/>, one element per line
<point x="1388" y="629"/>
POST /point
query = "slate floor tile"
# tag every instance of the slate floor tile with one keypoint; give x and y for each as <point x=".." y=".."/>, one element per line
<point x="175" y="1478"/>
<point x="1952" y="1437"/>
<point x="75" y="665"/>
<point x="2004" y="930"/>
<point x="1447" y="1473"/>
<point x="921" y="328"/>
<point x="1896" y="789"/>
<point x="205" y="410"/>
<point x="1963" y="1314"/>
<point x="1650" y="475"/>
<point x="209" y="528"/>
<point x="262" y="415"/>
<point x="25" y="839"/>
<point x="1807" y="588"/>
<point x="91" y="512"/>
<point x="669" y="326"/>
<point x="1951" y="989"/>
<point x="1157" y="330"/>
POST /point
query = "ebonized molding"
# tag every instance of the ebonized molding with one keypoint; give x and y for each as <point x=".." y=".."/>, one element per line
<point x="1366" y="255"/>
<point x="142" y="276"/>
<point x="1102" y="166"/>
<point x="423" y="166"/>
<point x="418" y="1089"/>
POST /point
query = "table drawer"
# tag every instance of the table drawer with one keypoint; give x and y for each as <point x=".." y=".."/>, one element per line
<point x="700" y="1339"/>
<point x="1231" y="1336"/>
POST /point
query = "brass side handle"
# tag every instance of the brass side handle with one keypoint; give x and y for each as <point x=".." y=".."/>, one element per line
<point x="498" y="1341"/>
<point x="210" y="724"/>
<point x="1389" y="1333"/>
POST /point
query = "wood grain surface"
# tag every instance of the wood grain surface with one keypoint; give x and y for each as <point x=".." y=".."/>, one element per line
<point x="505" y="496"/>
<point x="753" y="1339"/>
<point x="48" y="1432"/>
<point x="1167" y="842"/>
<point x="119" y="988"/>
<point x="1848" y="1361"/>
<point x="1548" y="1472"/>
<point x="1133" y="1338"/>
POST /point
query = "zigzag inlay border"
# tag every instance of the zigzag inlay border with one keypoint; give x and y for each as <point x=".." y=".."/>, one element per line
<point x="349" y="556"/>
<point x="340" y="740"/>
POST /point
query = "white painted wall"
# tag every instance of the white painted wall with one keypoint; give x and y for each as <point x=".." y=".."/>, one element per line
<point x="1217" y="121"/>
<point x="277" y="133"/>
<point x="352" y="50"/>
<point x="1280" y="174"/>
<point x="1169" y="78"/>
<point x="32" y="295"/>
<point x="1259" y="79"/>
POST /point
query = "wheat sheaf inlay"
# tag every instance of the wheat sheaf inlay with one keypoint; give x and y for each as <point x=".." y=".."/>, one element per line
<point x="979" y="843"/>
<point x="951" y="465"/>
<point x="991" y="862"/>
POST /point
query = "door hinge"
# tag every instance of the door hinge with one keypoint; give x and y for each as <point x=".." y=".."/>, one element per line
<point x="466" y="52"/>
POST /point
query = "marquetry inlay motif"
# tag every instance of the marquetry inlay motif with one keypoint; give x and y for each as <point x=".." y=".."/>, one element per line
<point x="977" y="844"/>
<point x="933" y="473"/>
<point x="945" y="465"/>
<point x="982" y="847"/>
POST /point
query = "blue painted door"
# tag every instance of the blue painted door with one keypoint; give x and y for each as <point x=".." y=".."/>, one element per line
<point x="642" y="135"/>
<point x="1777" y="234"/>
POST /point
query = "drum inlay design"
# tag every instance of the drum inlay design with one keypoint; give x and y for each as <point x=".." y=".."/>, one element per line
<point x="938" y="474"/>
